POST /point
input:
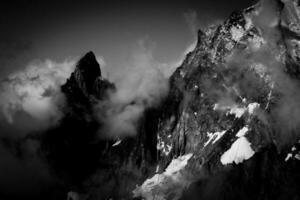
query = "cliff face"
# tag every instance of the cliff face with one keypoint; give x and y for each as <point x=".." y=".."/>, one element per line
<point x="224" y="112"/>
<point x="227" y="129"/>
<point x="83" y="160"/>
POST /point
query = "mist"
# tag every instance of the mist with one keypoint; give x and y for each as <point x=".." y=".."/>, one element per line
<point x="31" y="99"/>
<point x="140" y="85"/>
<point x="264" y="64"/>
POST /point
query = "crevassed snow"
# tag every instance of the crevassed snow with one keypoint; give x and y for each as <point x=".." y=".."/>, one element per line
<point x="242" y="132"/>
<point x="170" y="181"/>
<point x="239" y="151"/>
<point x="214" y="137"/>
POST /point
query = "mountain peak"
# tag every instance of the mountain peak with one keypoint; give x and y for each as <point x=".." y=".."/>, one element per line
<point x="86" y="81"/>
<point x="87" y="71"/>
<point x="89" y="66"/>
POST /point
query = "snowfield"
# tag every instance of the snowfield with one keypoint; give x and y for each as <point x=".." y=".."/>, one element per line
<point x="239" y="151"/>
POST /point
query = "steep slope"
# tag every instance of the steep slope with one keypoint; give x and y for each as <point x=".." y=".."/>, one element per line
<point x="228" y="128"/>
<point x="86" y="162"/>
<point x="226" y="107"/>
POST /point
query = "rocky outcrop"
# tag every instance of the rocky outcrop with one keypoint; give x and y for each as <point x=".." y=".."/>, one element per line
<point x="217" y="135"/>
<point x="86" y="163"/>
<point x="222" y="109"/>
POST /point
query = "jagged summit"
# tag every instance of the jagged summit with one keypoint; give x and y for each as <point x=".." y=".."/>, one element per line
<point x="86" y="78"/>
<point x="87" y="71"/>
<point x="88" y="65"/>
<point x="213" y="136"/>
<point x="85" y="86"/>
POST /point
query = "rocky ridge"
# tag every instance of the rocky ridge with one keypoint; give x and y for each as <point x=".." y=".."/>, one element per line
<point x="222" y="114"/>
<point x="215" y="136"/>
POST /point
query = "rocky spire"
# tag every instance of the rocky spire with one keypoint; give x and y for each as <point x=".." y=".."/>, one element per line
<point x="87" y="71"/>
<point x="85" y="85"/>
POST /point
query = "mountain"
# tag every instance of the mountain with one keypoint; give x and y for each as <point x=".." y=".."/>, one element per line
<point x="220" y="120"/>
<point x="75" y="151"/>
<point x="228" y="128"/>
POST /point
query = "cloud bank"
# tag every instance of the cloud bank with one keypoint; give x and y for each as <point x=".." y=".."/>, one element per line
<point x="34" y="93"/>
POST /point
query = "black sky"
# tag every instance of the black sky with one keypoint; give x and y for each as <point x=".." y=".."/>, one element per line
<point x="38" y="30"/>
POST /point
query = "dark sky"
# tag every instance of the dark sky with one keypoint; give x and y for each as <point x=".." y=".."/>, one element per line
<point x="38" y="30"/>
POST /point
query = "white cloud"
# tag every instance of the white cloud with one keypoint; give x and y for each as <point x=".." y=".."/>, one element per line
<point x="35" y="91"/>
<point x="140" y="85"/>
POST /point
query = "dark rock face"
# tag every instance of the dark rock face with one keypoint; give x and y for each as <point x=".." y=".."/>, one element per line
<point x="69" y="147"/>
<point x="81" y="159"/>
<point x="193" y="123"/>
<point x="214" y="105"/>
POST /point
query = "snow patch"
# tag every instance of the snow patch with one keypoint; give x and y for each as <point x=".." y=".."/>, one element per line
<point x="117" y="143"/>
<point x="252" y="107"/>
<point x="214" y="137"/>
<point x="242" y="132"/>
<point x="293" y="154"/>
<point x="288" y="156"/>
<point x="237" y="110"/>
<point x="231" y="109"/>
<point x="161" y="146"/>
<point x="177" y="164"/>
<point x="161" y="185"/>
<point x="237" y="33"/>
<point x="239" y="151"/>
<point x="297" y="156"/>
<point x="249" y="23"/>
